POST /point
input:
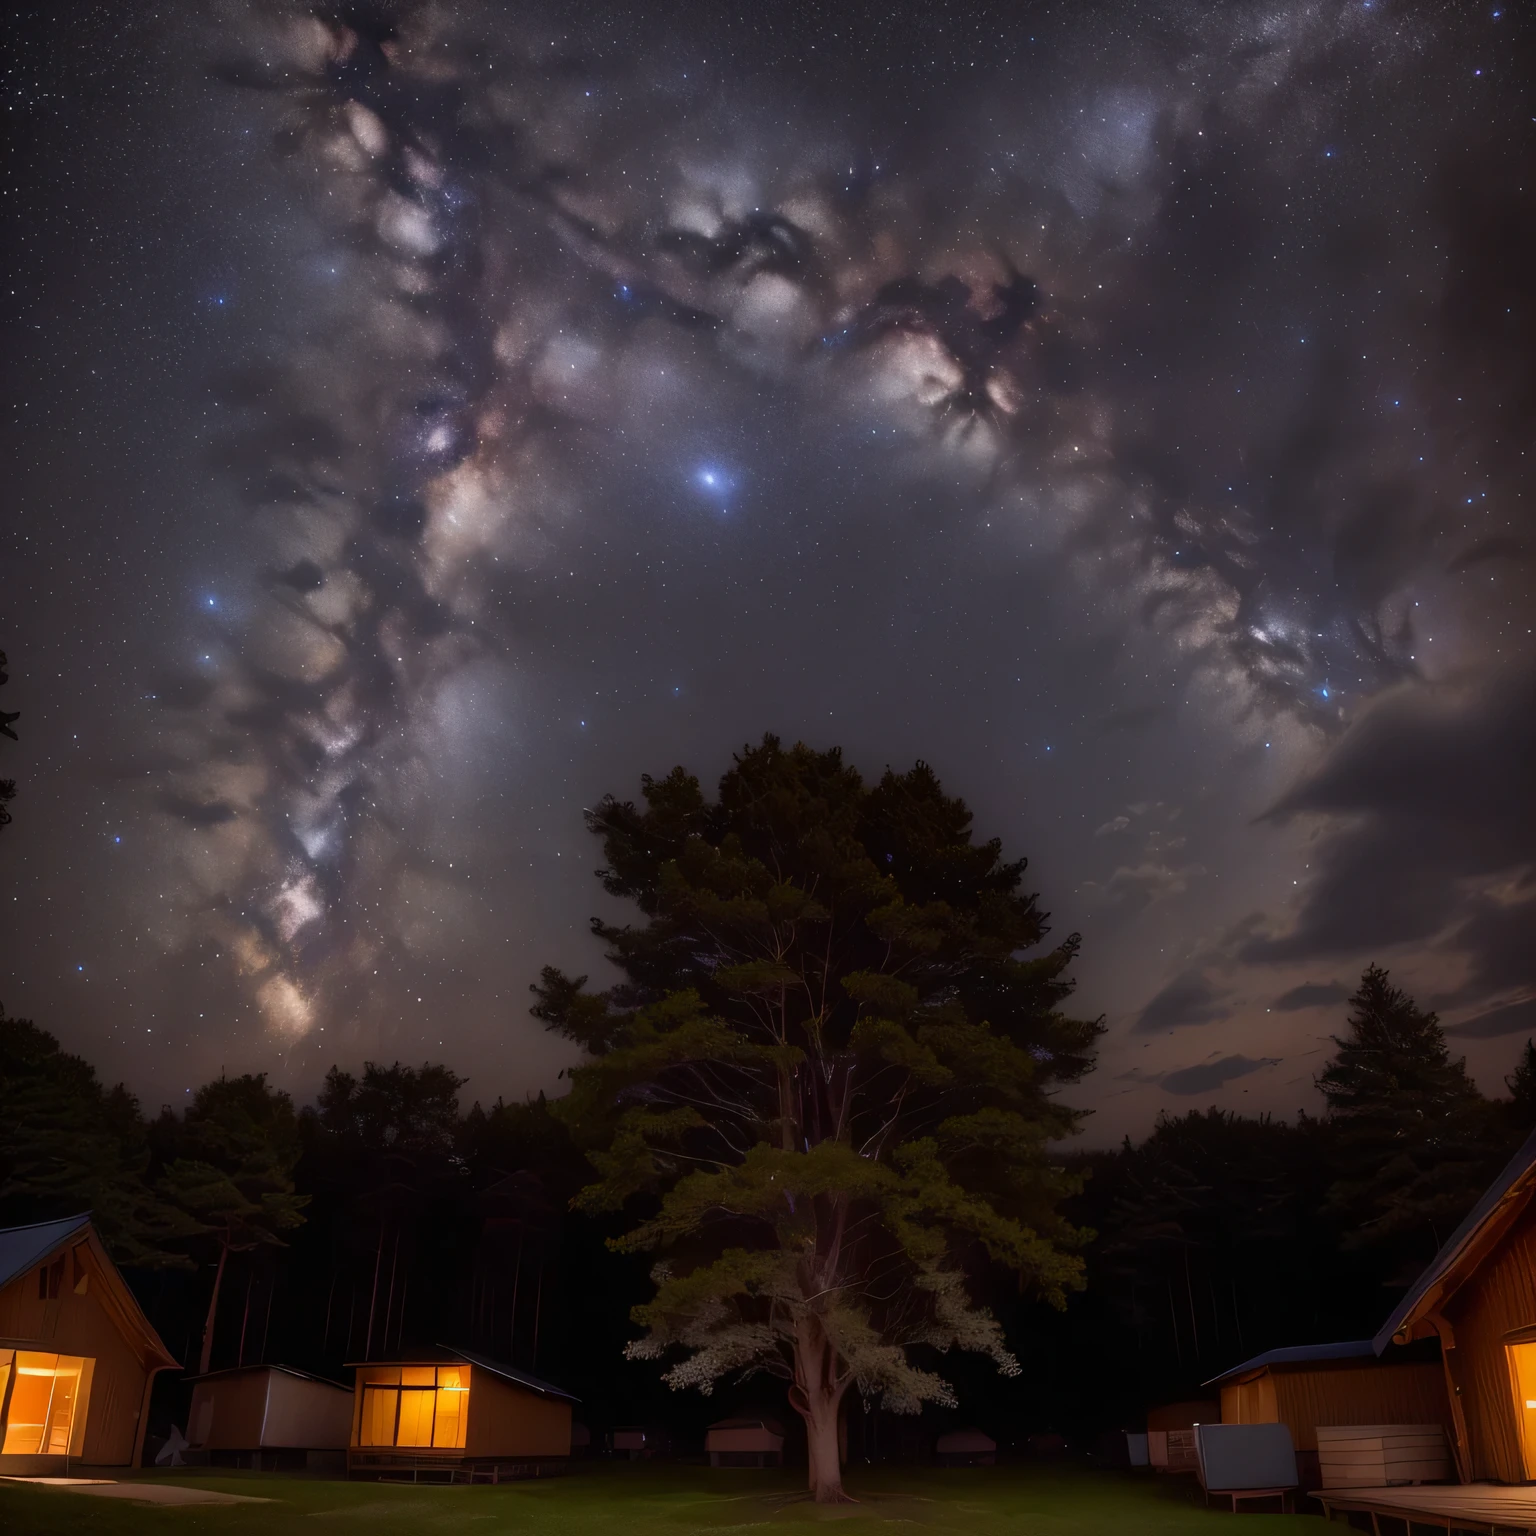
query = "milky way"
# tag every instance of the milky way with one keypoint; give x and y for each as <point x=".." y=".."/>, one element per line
<point x="426" y="419"/>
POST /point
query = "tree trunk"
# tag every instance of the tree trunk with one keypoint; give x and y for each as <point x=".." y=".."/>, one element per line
<point x="826" y="1471"/>
<point x="213" y="1309"/>
<point x="817" y="1397"/>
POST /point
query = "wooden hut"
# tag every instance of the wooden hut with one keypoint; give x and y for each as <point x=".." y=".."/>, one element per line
<point x="270" y="1417"/>
<point x="1333" y="1384"/>
<point x="1171" y="1434"/>
<point x="1478" y="1297"/>
<point x="456" y="1416"/>
<point x="965" y="1448"/>
<point x="745" y="1443"/>
<point x="77" y="1354"/>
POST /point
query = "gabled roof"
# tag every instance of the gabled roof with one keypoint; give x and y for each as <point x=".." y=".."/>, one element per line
<point x="1299" y="1354"/>
<point x="1491" y="1217"/>
<point x="443" y="1352"/>
<point x="510" y="1373"/>
<point x="25" y="1248"/>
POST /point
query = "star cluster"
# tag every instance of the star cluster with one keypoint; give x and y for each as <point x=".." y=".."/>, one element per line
<point x="426" y="418"/>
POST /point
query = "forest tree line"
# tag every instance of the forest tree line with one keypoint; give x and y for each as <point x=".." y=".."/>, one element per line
<point x="386" y="1215"/>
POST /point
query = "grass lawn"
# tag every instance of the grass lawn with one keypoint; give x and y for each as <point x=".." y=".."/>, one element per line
<point x="621" y="1500"/>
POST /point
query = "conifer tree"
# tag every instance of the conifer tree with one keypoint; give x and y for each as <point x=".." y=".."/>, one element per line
<point x="237" y="1147"/>
<point x="1416" y="1143"/>
<point x="1522" y="1089"/>
<point x="826" y="1081"/>
<point x="68" y="1146"/>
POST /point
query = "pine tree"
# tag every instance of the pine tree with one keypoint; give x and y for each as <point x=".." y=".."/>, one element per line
<point x="1522" y="1089"/>
<point x="236" y="1147"/>
<point x="827" y="1079"/>
<point x="1415" y="1142"/>
<point x="68" y="1146"/>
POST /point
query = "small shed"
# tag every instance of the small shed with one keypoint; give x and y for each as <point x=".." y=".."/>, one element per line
<point x="1171" y="1434"/>
<point x="456" y="1416"/>
<point x="1333" y="1384"/>
<point x="745" y="1443"/>
<point x="77" y="1355"/>
<point x="270" y="1417"/>
<point x="965" y="1448"/>
<point x="638" y="1442"/>
<point x="1478" y="1297"/>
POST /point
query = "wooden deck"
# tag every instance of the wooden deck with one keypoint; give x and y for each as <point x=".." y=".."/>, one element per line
<point x="1486" y="1508"/>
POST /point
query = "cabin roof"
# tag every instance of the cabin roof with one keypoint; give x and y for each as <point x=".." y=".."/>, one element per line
<point x="24" y="1248"/>
<point x="507" y="1372"/>
<point x="1299" y="1354"/>
<point x="287" y="1370"/>
<point x="1466" y="1246"/>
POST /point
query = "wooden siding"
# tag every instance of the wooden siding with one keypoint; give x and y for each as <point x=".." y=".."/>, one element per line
<point x="1498" y="1299"/>
<point x="227" y="1412"/>
<point x="508" y="1421"/>
<point x="1364" y="1393"/>
<point x="306" y="1415"/>
<point x="76" y="1324"/>
<point x="1251" y="1401"/>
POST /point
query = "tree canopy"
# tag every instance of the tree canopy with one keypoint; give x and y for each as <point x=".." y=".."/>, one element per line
<point x="827" y="1079"/>
<point x="236" y="1145"/>
<point x="68" y="1145"/>
<point x="1416" y="1143"/>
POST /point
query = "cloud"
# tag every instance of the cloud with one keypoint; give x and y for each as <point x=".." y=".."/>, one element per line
<point x="1187" y="999"/>
<point x="1512" y="1019"/>
<point x="1310" y="994"/>
<point x="1428" y="790"/>
<point x="1213" y="1074"/>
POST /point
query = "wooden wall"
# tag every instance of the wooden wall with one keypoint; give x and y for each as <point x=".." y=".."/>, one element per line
<point x="75" y="1324"/>
<point x="1368" y="1393"/>
<point x="227" y="1412"/>
<point x="507" y="1421"/>
<point x="1498" y="1299"/>
<point x="1365" y="1392"/>
<point x="308" y="1415"/>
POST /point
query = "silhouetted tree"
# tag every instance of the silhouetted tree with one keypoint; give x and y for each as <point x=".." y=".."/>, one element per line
<point x="1522" y="1089"/>
<point x="67" y="1145"/>
<point x="829" y="1075"/>
<point x="1415" y="1143"/>
<point x="383" y="1152"/>
<point x="236" y="1147"/>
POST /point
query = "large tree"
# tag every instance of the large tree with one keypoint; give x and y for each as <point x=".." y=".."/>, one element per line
<point x="826" y="1081"/>
<point x="1415" y="1141"/>
<point x="236" y="1148"/>
<point x="68" y="1145"/>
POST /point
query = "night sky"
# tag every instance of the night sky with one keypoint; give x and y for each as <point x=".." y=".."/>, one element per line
<point x="421" y="420"/>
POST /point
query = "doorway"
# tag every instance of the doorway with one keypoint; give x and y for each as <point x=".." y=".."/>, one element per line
<point x="1522" y="1373"/>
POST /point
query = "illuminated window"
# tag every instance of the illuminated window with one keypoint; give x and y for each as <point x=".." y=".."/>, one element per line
<point x="43" y="1402"/>
<point x="1522" y="1367"/>
<point x="415" y="1405"/>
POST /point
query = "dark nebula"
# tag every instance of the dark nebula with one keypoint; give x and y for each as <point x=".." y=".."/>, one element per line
<point x="423" y="419"/>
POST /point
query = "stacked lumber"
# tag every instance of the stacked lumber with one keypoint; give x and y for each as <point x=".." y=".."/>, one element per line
<point x="1381" y="1455"/>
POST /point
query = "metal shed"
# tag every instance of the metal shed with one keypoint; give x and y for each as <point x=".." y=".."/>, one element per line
<point x="745" y="1443"/>
<point x="270" y="1416"/>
